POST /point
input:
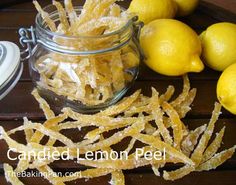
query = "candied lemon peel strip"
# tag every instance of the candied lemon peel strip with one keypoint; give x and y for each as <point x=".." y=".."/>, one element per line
<point x="10" y="175"/>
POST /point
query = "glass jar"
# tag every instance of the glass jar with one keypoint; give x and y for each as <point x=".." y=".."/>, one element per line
<point x="86" y="73"/>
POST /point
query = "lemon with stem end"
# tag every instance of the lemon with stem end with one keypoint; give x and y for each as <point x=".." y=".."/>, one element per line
<point x="149" y="10"/>
<point x="226" y="89"/>
<point x="171" y="47"/>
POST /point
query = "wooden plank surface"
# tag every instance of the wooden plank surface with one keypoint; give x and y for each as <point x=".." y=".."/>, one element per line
<point x="13" y="105"/>
<point x="20" y="103"/>
<point x="229" y="5"/>
<point x="220" y="178"/>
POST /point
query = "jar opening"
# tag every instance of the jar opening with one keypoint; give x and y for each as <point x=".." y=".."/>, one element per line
<point x="50" y="39"/>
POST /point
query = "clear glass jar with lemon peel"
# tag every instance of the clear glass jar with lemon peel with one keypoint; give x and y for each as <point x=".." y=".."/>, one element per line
<point x="83" y="61"/>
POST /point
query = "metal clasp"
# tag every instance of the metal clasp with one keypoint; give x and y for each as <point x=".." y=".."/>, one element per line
<point x="27" y="40"/>
<point x="138" y="25"/>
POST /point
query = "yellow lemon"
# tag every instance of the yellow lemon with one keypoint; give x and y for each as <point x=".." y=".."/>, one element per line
<point x="186" y="7"/>
<point x="149" y="10"/>
<point x="226" y="89"/>
<point x="171" y="47"/>
<point x="219" y="45"/>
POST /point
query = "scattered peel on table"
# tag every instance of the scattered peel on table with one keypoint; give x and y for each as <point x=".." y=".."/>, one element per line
<point x="189" y="148"/>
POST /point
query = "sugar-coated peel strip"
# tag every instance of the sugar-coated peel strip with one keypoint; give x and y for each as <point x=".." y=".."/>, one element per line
<point x="136" y="110"/>
<point x="115" y="10"/>
<point x="117" y="68"/>
<point x="140" y="107"/>
<point x="44" y="130"/>
<point x="176" y="124"/>
<point x="189" y="142"/>
<point x="43" y="105"/>
<point x="140" y="102"/>
<point x="160" y="145"/>
<point x="168" y="94"/>
<point x="51" y="142"/>
<point x="118" y="178"/>
<point x="37" y="136"/>
<point x="110" y="126"/>
<point x="149" y="129"/>
<point x="184" y="94"/>
<point x="101" y="8"/>
<point x="184" y="108"/>
<point x="217" y="160"/>
<point x="121" y="106"/>
<point x="10" y="175"/>
<point x="198" y="152"/>
<point x="158" y="116"/>
<point x="62" y="14"/>
<point x="96" y="132"/>
<point x="83" y="120"/>
<point x="156" y="167"/>
<point x="115" y="138"/>
<point x="86" y="15"/>
<point x="22" y="165"/>
<point x="130" y="146"/>
<point x="10" y="142"/>
<point x="98" y="26"/>
<point x="70" y="11"/>
<point x="20" y="148"/>
<point x="50" y="123"/>
<point x="28" y="132"/>
<point x="45" y="16"/>
<point x="177" y="174"/>
<point x="214" y="146"/>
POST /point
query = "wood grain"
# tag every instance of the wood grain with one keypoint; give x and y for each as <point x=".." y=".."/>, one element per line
<point x="229" y="5"/>
<point x="204" y="178"/>
<point x="219" y="10"/>
<point x="20" y="103"/>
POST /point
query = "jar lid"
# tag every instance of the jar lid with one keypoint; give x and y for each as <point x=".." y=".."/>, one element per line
<point x="10" y="67"/>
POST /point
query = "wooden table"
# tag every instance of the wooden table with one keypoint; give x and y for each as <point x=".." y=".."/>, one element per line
<point x="20" y="103"/>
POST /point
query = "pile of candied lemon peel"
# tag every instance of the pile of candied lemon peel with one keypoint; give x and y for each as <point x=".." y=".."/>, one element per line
<point x="90" y="79"/>
<point x="155" y="121"/>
